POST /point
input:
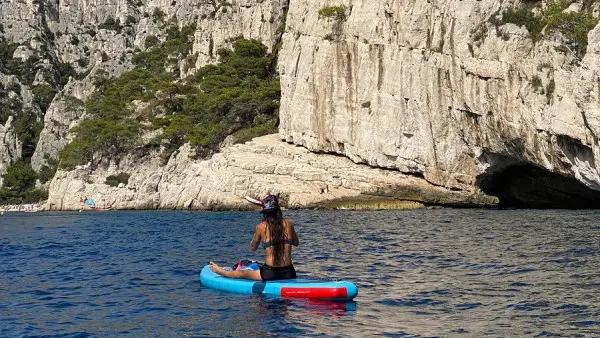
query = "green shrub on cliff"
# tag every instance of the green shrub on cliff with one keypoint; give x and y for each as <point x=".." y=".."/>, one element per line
<point x="240" y="92"/>
<point x="158" y="15"/>
<point x="19" y="177"/>
<point x="111" y="24"/>
<point x="43" y="94"/>
<point x="151" y="41"/>
<point x="28" y="126"/>
<point x="335" y="12"/>
<point x="177" y="45"/>
<point x="525" y="16"/>
<point x="47" y="171"/>
<point x="23" y="70"/>
<point x="572" y="27"/>
<point x="261" y="128"/>
<point x="96" y="135"/>
<point x="231" y="95"/>
<point x="114" y="96"/>
<point x="115" y="180"/>
<point x="26" y="122"/>
<point x="6" y="52"/>
<point x="216" y="5"/>
<point x="8" y="106"/>
<point x="19" y="185"/>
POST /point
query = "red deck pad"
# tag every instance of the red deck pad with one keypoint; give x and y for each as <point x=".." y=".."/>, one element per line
<point x="314" y="292"/>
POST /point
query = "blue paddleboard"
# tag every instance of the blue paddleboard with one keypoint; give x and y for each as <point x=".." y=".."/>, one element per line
<point x="288" y="288"/>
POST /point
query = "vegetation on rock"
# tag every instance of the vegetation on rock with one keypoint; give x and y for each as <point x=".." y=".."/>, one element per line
<point x="48" y="170"/>
<point x="28" y="127"/>
<point x="553" y="19"/>
<point x="43" y="94"/>
<point x="158" y="15"/>
<point x="216" y="5"/>
<point x="334" y="12"/>
<point x="28" y="120"/>
<point x="111" y="24"/>
<point x="19" y="185"/>
<point x="115" y="180"/>
<point x="240" y="93"/>
<point x="23" y="70"/>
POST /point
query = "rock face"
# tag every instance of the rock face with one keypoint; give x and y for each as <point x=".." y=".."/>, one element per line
<point x="405" y="85"/>
<point x="65" y="111"/>
<point x="425" y="101"/>
<point x="264" y="165"/>
<point x="109" y="50"/>
<point x="11" y="149"/>
<point x="10" y="145"/>
<point x="260" y="20"/>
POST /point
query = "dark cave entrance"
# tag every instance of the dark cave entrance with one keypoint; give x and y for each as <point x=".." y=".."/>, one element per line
<point x="528" y="186"/>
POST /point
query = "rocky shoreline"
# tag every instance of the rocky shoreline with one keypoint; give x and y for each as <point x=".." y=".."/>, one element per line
<point x="266" y="164"/>
<point x="357" y="203"/>
<point x="29" y="207"/>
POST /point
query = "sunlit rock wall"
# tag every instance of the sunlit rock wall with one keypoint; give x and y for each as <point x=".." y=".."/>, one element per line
<point x="263" y="166"/>
<point x="77" y="28"/>
<point x="406" y="85"/>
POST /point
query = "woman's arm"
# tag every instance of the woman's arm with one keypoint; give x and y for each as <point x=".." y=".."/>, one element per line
<point x="295" y="239"/>
<point x="256" y="238"/>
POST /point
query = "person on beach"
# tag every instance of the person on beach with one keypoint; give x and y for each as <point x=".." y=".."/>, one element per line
<point x="278" y="236"/>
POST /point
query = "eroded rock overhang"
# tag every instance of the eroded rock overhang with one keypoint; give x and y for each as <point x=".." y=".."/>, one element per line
<point x="407" y="87"/>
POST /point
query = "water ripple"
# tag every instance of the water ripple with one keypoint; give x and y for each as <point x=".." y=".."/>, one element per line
<point x="421" y="273"/>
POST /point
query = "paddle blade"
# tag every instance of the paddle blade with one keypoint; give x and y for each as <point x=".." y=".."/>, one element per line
<point x="254" y="200"/>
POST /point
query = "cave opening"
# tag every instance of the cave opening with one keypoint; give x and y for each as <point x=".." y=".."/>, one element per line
<point x="528" y="186"/>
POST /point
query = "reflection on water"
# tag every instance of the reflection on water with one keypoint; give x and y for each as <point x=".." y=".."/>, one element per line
<point x="419" y="273"/>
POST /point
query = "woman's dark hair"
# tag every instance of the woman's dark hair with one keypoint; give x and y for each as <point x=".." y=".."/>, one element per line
<point x="275" y="222"/>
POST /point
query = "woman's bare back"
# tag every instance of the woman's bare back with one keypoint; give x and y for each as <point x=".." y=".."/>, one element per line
<point x="290" y="237"/>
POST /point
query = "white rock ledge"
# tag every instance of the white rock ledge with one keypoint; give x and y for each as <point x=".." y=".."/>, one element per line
<point x="263" y="165"/>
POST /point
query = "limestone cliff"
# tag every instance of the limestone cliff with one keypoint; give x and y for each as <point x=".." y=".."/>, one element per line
<point x="11" y="150"/>
<point x="407" y="85"/>
<point x="110" y="48"/>
<point x="13" y="96"/>
<point x="437" y="102"/>
<point x="264" y="165"/>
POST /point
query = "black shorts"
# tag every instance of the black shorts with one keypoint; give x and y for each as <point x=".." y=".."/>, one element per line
<point x="274" y="273"/>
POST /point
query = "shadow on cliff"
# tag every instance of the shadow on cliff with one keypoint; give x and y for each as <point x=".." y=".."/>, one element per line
<point x="527" y="186"/>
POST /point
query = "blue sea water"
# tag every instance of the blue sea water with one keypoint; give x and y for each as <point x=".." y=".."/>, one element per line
<point x="420" y="273"/>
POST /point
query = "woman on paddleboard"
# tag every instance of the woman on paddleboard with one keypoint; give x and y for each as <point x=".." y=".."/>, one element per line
<point x="278" y="236"/>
